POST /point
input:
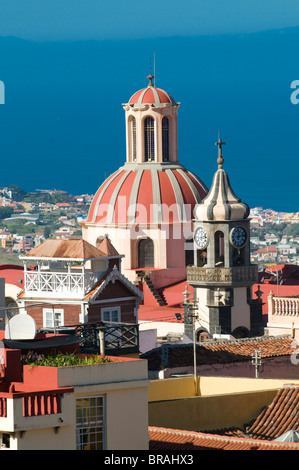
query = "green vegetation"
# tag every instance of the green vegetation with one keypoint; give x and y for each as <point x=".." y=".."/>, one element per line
<point x="280" y="230"/>
<point x="18" y="194"/>
<point x="8" y="257"/>
<point x="63" y="359"/>
<point x="20" y="227"/>
<point x="6" y="212"/>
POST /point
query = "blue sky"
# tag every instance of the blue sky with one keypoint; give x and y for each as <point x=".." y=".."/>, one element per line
<point x="99" y="19"/>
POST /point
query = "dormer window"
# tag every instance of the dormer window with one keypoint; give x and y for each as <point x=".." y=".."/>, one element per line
<point x="149" y="139"/>
<point x="165" y="139"/>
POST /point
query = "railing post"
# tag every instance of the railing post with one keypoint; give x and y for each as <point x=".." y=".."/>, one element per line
<point x="271" y="303"/>
<point x="102" y="341"/>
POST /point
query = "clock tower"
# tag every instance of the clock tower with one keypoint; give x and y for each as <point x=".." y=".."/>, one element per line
<point x="222" y="275"/>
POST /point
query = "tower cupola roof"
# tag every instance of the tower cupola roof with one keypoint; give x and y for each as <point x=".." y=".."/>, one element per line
<point x="151" y="96"/>
<point x="221" y="203"/>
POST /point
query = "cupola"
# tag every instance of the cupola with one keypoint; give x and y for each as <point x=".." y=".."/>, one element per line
<point x="221" y="203"/>
<point x="151" y="126"/>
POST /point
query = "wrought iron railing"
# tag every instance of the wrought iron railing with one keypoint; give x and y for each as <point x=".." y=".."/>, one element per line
<point x="104" y="337"/>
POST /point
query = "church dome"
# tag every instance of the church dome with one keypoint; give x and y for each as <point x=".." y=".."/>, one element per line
<point x="151" y="95"/>
<point x="144" y="195"/>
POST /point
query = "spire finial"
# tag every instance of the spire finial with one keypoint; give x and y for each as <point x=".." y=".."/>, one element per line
<point x="150" y="77"/>
<point x="220" y="159"/>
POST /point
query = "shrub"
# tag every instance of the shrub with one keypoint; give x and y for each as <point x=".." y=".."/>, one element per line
<point x="62" y="359"/>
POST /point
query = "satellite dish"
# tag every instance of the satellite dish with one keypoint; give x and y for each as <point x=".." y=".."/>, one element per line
<point x="21" y="326"/>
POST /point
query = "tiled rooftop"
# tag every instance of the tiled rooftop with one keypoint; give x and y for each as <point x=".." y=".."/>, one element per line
<point x="276" y="419"/>
<point x="162" y="439"/>
<point x="222" y="352"/>
<point x="280" y="416"/>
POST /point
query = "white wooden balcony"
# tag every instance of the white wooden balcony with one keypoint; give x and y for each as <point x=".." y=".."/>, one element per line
<point x="64" y="284"/>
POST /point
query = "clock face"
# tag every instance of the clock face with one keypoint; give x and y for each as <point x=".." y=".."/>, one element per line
<point x="200" y="237"/>
<point x="238" y="237"/>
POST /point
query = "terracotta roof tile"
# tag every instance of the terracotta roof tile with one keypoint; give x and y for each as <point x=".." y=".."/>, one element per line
<point x="106" y="247"/>
<point x="60" y="248"/>
<point x="220" y="351"/>
<point x="279" y="417"/>
<point x="173" y="439"/>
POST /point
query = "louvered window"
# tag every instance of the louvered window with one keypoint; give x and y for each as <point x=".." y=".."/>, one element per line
<point x="149" y="139"/>
<point x="133" y="130"/>
<point x="146" y="253"/>
<point x="165" y="139"/>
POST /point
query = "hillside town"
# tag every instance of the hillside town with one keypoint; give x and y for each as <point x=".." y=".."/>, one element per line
<point x="27" y="220"/>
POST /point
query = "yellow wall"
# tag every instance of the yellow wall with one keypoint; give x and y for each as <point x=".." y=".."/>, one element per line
<point x="210" y="412"/>
<point x="221" y="402"/>
<point x="170" y="389"/>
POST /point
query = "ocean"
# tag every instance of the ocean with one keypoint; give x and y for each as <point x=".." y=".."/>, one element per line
<point x="63" y="127"/>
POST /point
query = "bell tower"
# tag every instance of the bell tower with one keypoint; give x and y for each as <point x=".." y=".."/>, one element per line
<point x="222" y="275"/>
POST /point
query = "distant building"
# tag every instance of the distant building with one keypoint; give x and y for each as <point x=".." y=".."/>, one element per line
<point x="7" y="243"/>
<point x="32" y="218"/>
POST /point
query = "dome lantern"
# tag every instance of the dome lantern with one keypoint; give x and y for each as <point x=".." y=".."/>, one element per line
<point x="151" y="126"/>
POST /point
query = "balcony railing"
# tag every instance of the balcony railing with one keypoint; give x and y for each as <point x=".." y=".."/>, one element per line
<point x="285" y="306"/>
<point x="214" y="276"/>
<point x="60" y="283"/>
<point x="42" y="403"/>
<point x="118" y="338"/>
<point x="3" y="407"/>
<point x="22" y="410"/>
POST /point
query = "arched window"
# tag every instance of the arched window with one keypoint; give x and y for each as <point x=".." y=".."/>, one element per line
<point x="149" y="139"/>
<point x="133" y="140"/>
<point x="165" y="139"/>
<point x="189" y="252"/>
<point x="146" y="253"/>
<point x="219" y="249"/>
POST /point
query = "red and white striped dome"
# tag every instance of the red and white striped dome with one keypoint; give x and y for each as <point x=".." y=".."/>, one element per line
<point x="151" y="196"/>
<point x="151" y="95"/>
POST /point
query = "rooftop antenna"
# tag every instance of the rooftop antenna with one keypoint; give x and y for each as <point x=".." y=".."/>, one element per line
<point x="154" y="68"/>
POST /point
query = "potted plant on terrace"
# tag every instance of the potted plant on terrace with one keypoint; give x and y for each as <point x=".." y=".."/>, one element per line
<point x="61" y="369"/>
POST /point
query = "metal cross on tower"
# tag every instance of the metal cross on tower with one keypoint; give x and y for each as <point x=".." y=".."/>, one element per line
<point x="220" y="158"/>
